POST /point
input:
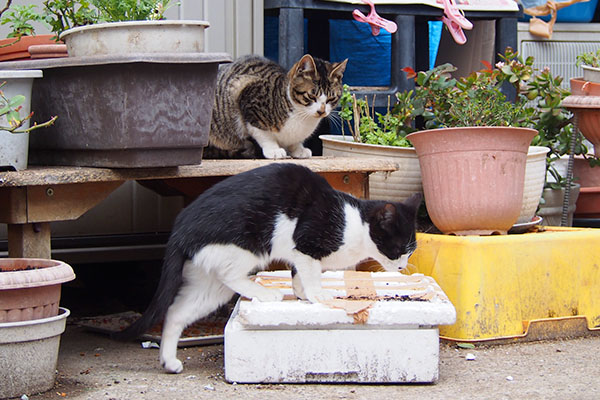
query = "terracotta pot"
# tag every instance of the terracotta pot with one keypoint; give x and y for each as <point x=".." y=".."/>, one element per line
<point x="473" y="177"/>
<point x="588" y="203"/>
<point x="20" y="49"/>
<point x="584" y="174"/>
<point x="392" y="186"/>
<point x="585" y="103"/>
<point x="30" y="288"/>
<point x="48" y="51"/>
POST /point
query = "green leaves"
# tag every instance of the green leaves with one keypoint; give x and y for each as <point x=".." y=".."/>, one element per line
<point x="131" y="10"/>
<point x="368" y="126"/>
<point x="590" y="58"/>
<point x="67" y="14"/>
<point x="10" y="109"/>
<point x="20" y="19"/>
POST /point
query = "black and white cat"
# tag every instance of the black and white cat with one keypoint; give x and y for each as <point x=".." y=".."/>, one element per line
<point x="283" y="212"/>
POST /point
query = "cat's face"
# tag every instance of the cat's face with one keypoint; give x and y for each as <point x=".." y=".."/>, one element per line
<point x="316" y="85"/>
<point x="392" y="229"/>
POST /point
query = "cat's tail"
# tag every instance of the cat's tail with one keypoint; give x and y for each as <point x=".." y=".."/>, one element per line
<point x="169" y="284"/>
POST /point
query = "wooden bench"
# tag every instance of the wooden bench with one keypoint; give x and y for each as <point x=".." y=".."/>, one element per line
<point x="32" y="198"/>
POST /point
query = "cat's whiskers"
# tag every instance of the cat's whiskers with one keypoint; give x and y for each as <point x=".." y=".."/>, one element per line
<point x="335" y="119"/>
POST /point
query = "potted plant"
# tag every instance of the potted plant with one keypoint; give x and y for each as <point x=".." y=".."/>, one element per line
<point x="590" y="62"/>
<point x="474" y="148"/>
<point x="379" y="135"/>
<point x="124" y="109"/>
<point x="31" y="323"/>
<point x="584" y="102"/>
<point x="22" y="42"/>
<point x="15" y="115"/>
<point x="435" y="87"/>
<point x="108" y="28"/>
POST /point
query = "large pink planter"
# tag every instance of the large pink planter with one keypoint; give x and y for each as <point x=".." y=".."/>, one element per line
<point x="473" y="176"/>
<point x="585" y="103"/>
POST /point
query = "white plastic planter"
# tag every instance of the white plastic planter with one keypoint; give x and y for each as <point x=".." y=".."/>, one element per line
<point x="14" y="147"/>
<point x="29" y="354"/>
<point x="135" y="37"/>
<point x="392" y="186"/>
<point x="591" y="74"/>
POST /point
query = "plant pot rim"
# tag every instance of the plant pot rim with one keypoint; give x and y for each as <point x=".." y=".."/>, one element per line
<point x="53" y="272"/>
<point x="586" y="66"/>
<point x="472" y="138"/>
<point x="21" y="74"/>
<point x="457" y="129"/>
<point x="350" y="140"/>
<point x="536" y="150"/>
<point x="63" y="313"/>
<point x="112" y="25"/>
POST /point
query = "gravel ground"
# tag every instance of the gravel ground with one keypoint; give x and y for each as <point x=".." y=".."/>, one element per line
<point x="91" y="366"/>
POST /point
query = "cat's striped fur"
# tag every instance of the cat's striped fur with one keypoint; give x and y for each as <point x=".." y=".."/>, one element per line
<point x="262" y="110"/>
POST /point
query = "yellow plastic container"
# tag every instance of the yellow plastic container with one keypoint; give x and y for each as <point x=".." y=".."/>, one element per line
<point x="501" y="286"/>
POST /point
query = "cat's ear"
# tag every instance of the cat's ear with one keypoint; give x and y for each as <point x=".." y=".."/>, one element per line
<point x="337" y="72"/>
<point x="306" y="66"/>
<point x="414" y="202"/>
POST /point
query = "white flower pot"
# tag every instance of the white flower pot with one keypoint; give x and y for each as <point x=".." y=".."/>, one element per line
<point x="29" y="354"/>
<point x="394" y="186"/>
<point x="535" y="176"/>
<point x="591" y="74"/>
<point x="131" y="37"/>
<point x="14" y="146"/>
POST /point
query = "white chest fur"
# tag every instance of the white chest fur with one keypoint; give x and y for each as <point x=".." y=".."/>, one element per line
<point x="299" y="126"/>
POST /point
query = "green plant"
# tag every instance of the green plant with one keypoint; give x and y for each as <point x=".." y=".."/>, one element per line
<point x="390" y="128"/>
<point x="11" y="110"/>
<point x="20" y="19"/>
<point x="131" y="10"/>
<point x="67" y="14"/>
<point x="476" y="100"/>
<point x="591" y="58"/>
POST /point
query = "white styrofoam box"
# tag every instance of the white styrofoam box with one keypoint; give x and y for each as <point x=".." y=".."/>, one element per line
<point x="296" y="341"/>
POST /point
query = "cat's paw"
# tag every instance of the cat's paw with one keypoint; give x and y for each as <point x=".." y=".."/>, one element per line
<point x="319" y="296"/>
<point x="301" y="152"/>
<point x="173" y="366"/>
<point x="275" y="153"/>
<point x="270" y="295"/>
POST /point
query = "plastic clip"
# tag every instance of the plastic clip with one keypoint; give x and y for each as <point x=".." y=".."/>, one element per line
<point x="374" y="20"/>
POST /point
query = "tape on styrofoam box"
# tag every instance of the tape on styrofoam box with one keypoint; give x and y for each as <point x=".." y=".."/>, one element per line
<point x="369" y="298"/>
<point x="381" y="328"/>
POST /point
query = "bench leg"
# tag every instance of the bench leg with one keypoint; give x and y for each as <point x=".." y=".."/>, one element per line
<point x="29" y="240"/>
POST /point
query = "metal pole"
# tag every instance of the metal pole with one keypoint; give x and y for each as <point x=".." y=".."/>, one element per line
<point x="566" y="199"/>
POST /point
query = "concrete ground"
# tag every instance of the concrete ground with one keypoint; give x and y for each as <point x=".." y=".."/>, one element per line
<point x="91" y="366"/>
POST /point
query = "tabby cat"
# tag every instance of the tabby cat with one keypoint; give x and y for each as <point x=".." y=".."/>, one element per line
<point x="282" y="212"/>
<point x="261" y="110"/>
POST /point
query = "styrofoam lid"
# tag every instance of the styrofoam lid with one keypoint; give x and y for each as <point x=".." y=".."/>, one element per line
<point x="399" y="301"/>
